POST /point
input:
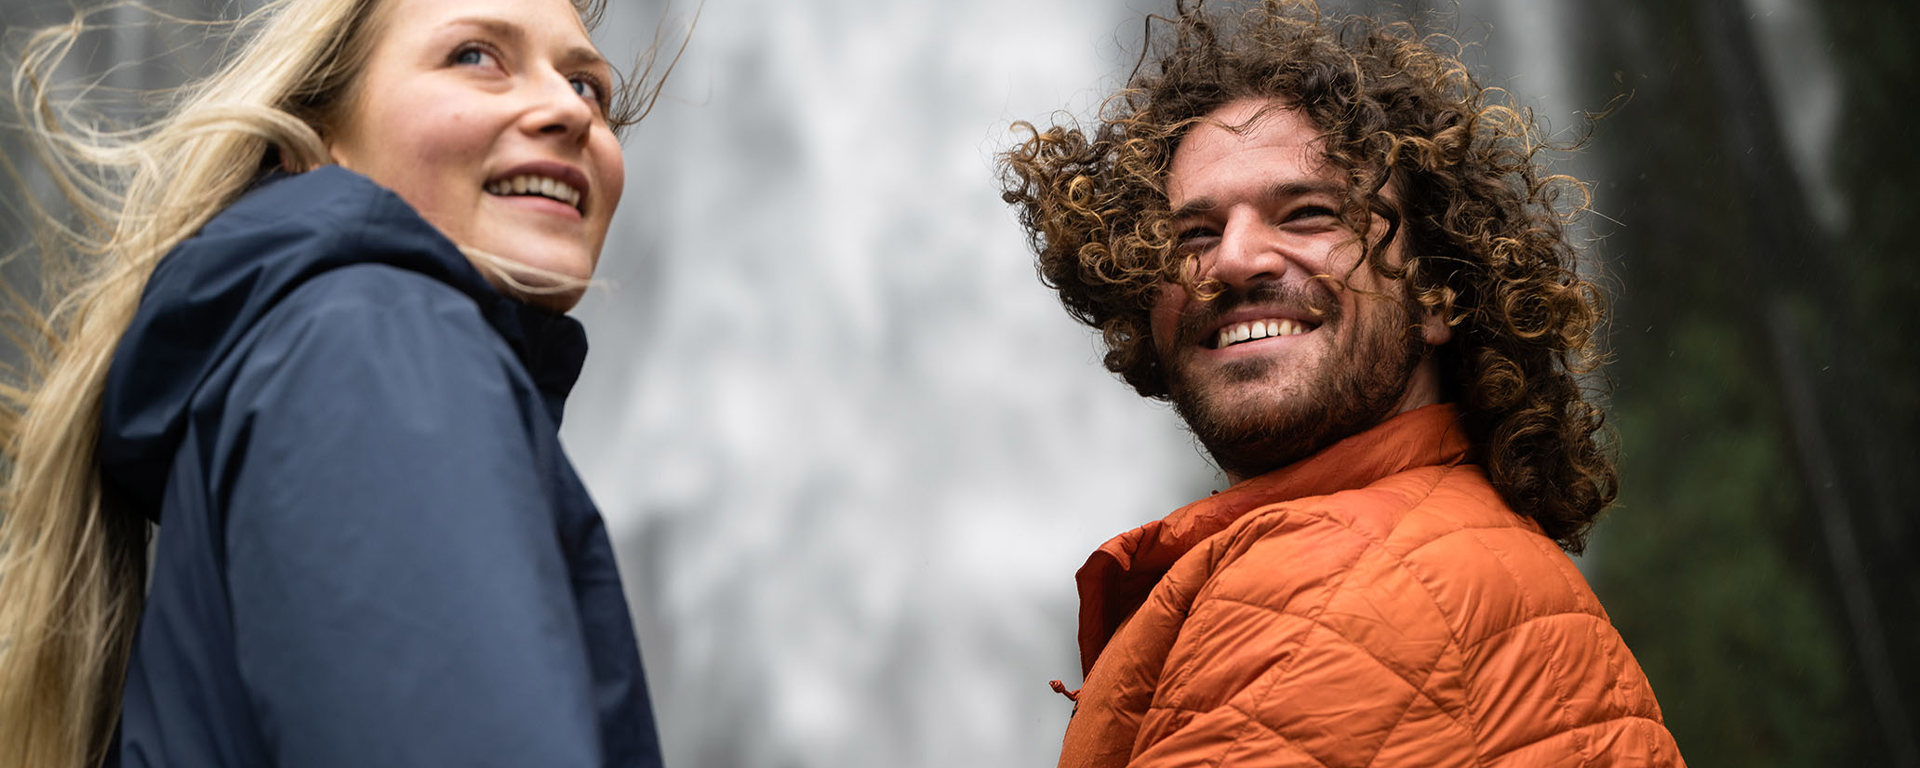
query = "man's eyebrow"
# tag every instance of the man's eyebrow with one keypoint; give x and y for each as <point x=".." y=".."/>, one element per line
<point x="1305" y="188"/>
<point x="575" y="56"/>
<point x="1193" y="208"/>
<point x="1281" y="191"/>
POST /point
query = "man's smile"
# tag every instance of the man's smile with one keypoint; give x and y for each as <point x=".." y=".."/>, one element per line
<point x="1242" y="332"/>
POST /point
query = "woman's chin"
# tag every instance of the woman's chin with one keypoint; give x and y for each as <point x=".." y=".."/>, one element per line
<point x="559" y="300"/>
<point x="545" y="281"/>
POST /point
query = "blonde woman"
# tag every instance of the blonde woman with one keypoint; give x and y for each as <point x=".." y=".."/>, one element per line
<point x="316" y="337"/>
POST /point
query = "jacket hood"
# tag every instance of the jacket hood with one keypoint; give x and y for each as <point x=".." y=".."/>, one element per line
<point x="205" y="297"/>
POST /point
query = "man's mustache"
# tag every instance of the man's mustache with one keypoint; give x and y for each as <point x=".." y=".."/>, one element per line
<point x="1202" y="318"/>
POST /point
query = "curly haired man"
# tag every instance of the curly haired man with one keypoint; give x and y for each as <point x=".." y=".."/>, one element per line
<point x="1342" y="261"/>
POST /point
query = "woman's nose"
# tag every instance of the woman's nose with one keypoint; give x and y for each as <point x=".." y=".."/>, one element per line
<point x="560" y="110"/>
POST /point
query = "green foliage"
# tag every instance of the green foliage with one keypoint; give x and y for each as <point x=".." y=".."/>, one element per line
<point x="1714" y="564"/>
<point x="1706" y="565"/>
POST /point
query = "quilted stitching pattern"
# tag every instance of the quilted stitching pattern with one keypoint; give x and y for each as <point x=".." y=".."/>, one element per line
<point x="1412" y="620"/>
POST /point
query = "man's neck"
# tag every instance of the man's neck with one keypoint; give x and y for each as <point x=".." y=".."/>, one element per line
<point x="1423" y="389"/>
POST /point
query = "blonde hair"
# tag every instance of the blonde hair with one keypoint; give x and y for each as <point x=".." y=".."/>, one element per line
<point x="72" y="569"/>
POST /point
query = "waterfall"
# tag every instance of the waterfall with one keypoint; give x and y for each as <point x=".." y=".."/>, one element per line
<point x="851" y="449"/>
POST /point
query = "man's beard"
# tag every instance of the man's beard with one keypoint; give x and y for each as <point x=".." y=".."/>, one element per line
<point x="1358" y="386"/>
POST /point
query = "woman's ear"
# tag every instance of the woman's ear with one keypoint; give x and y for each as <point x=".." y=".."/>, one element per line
<point x="332" y="142"/>
<point x="335" y="154"/>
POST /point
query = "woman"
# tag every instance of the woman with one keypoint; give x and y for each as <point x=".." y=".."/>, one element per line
<point x="316" y="338"/>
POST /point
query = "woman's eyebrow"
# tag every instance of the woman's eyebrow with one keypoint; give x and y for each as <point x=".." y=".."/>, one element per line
<point x="575" y="56"/>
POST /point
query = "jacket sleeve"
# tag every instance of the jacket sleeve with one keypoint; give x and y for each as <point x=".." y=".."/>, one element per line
<point x="1550" y="680"/>
<point x="399" y="591"/>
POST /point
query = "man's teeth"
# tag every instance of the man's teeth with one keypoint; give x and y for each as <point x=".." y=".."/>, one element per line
<point x="537" y="185"/>
<point x="1258" y="329"/>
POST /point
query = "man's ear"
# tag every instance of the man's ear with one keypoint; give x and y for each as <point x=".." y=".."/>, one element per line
<point x="1433" y="327"/>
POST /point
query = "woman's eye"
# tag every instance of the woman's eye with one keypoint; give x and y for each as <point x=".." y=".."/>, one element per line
<point x="588" y="88"/>
<point x="472" y="56"/>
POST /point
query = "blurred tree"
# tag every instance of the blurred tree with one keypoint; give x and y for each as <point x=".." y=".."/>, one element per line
<point x="1762" y="395"/>
<point x="1877" y="166"/>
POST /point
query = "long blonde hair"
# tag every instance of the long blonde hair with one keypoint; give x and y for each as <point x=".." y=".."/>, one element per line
<point x="72" y="568"/>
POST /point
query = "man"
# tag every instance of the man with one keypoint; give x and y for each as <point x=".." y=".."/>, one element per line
<point x="1338" y="258"/>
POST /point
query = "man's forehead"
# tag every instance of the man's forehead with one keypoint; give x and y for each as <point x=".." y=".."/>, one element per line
<point x="1247" y="148"/>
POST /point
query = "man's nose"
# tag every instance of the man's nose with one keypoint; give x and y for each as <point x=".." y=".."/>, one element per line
<point x="1249" y="251"/>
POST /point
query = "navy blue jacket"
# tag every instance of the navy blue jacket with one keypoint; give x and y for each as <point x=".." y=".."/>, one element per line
<point x="372" y="550"/>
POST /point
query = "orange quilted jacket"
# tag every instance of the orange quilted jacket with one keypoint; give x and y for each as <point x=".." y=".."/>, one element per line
<point x="1374" y="605"/>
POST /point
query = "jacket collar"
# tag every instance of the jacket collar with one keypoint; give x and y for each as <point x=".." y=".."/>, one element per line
<point x="1118" y="577"/>
<point x="204" y="299"/>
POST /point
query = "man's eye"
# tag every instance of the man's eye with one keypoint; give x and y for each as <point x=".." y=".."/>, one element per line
<point x="1195" y="238"/>
<point x="1312" y="212"/>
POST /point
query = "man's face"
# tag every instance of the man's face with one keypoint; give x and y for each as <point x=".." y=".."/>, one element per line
<point x="1305" y="344"/>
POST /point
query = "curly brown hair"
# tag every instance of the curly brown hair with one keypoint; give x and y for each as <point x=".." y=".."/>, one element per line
<point x="1486" y="225"/>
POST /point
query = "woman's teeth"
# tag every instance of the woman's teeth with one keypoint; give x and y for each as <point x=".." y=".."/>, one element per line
<point x="536" y="185"/>
<point x="1258" y="329"/>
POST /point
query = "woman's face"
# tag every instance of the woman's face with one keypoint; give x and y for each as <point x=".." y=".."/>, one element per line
<point x="489" y="118"/>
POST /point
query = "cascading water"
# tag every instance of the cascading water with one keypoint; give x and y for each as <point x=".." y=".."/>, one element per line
<point x="852" y="450"/>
